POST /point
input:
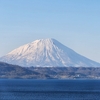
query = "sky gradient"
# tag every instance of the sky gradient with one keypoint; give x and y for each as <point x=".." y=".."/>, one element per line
<point x="75" y="23"/>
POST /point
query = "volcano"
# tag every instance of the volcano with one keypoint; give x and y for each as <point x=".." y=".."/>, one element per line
<point x="47" y="53"/>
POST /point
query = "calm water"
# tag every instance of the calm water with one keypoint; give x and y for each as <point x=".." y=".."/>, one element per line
<point x="49" y="89"/>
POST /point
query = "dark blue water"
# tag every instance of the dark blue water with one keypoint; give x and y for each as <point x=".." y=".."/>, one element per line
<point x="49" y="89"/>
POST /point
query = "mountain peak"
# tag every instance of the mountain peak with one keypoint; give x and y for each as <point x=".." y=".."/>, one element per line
<point x="45" y="40"/>
<point x="47" y="52"/>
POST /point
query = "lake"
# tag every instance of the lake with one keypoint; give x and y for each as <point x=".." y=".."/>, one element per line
<point x="28" y="89"/>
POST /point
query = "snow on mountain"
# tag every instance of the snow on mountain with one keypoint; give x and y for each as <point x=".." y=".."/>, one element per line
<point x="47" y="53"/>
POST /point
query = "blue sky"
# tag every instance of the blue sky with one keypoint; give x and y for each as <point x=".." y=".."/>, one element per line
<point x="75" y="23"/>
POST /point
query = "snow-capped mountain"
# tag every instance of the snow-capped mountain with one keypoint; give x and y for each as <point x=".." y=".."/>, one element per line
<point x="47" y="53"/>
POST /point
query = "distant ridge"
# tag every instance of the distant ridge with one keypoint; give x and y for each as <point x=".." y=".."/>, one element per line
<point x="8" y="71"/>
<point x="47" y="53"/>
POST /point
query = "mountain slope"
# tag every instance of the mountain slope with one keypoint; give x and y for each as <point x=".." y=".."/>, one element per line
<point x="15" y="71"/>
<point x="47" y="52"/>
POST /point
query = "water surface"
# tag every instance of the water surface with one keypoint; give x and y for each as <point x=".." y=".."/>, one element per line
<point x="20" y="89"/>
